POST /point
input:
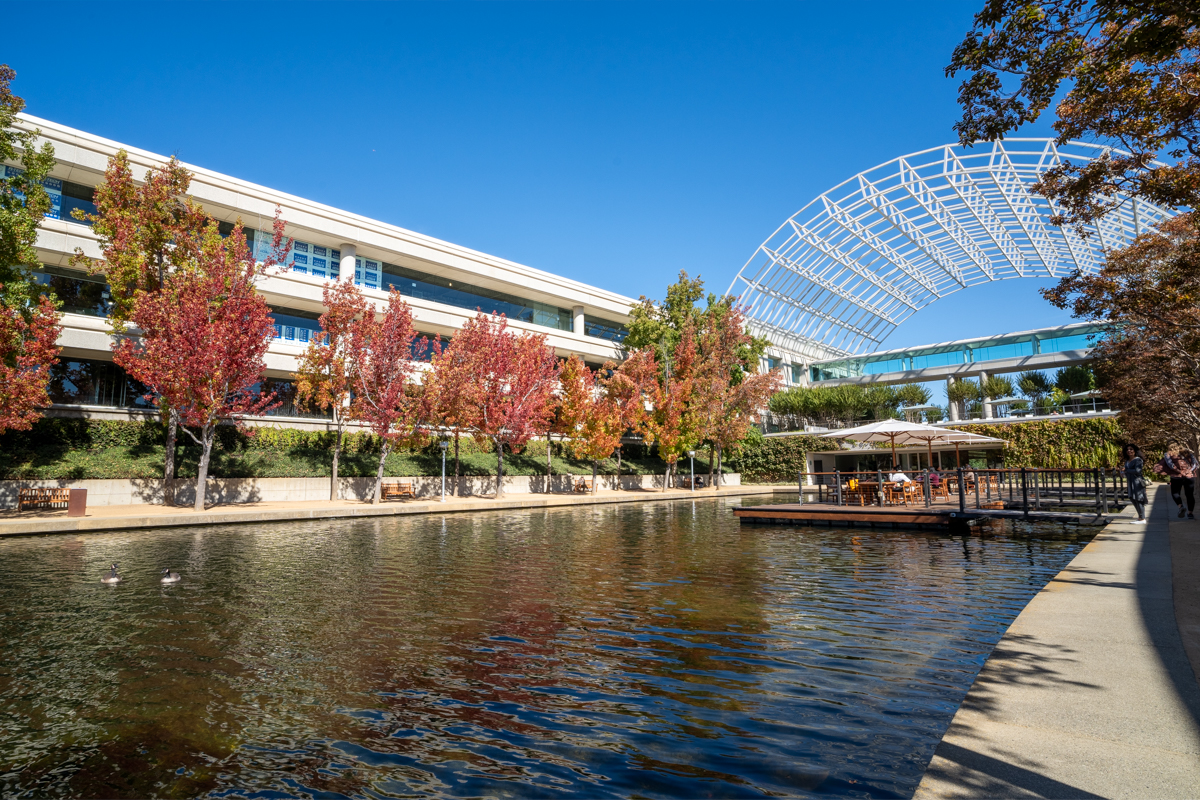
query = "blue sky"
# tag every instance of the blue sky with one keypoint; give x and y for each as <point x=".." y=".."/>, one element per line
<point x="613" y="143"/>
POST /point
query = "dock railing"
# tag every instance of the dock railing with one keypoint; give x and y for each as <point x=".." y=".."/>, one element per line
<point x="1026" y="489"/>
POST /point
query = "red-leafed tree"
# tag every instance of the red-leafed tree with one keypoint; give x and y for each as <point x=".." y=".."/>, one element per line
<point x="323" y="374"/>
<point x="383" y="353"/>
<point x="591" y="418"/>
<point x="672" y="422"/>
<point x="729" y="389"/>
<point x="631" y="387"/>
<point x="27" y="353"/>
<point x="203" y="336"/>
<point x="454" y="394"/>
<point x="514" y="377"/>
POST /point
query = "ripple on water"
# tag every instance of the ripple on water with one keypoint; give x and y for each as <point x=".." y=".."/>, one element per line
<point x="656" y="650"/>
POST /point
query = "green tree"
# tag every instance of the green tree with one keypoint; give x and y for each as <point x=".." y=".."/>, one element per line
<point x="1074" y="379"/>
<point x="1034" y="385"/>
<point x="28" y="322"/>
<point x="1131" y="75"/>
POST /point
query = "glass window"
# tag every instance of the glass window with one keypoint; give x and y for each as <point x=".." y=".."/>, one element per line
<point x="412" y="283"/>
<point x="797" y="373"/>
<point x="604" y="329"/>
<point x="1057" y="345"/>
<point x="295" y="325"/>
<point x="772" y="362"/>
<point x="77" y="196"/>
<point x="79" y="292"/>
<point x="95" y="383"/>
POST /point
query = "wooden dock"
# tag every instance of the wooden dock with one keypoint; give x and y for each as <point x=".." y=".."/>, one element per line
<point x="937" y="517"/>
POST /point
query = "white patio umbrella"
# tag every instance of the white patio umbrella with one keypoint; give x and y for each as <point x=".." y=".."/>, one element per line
<point x="898" y="431"/>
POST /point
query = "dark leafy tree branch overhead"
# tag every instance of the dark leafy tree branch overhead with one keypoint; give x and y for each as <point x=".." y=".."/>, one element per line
<point x="1125" y="73"/>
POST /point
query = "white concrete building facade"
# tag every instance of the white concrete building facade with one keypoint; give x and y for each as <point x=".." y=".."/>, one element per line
<point x="444" y="283"/>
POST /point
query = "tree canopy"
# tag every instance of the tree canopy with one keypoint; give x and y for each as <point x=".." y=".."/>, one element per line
<point x="1128" y="74"/>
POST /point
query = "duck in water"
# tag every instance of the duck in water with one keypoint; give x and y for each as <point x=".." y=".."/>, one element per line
<point x="111" y="576"/>
<point x="170" y="577"/>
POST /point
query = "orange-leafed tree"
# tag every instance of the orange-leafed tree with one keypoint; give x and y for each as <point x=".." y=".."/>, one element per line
<point x="672" y="422"/>
<point x="729" y="388"/>
<point x="631" y="387"/>
<point x="591" y="418"/>
<point x="323" y="374"/>
<point x="383" y="354"/>
<point x="453" y="394"/>
<point x="514" y="378"/>
<point x="203" y="337"/>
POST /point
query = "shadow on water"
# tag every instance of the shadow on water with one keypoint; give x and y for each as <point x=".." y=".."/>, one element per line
<point x="653" y="650"/>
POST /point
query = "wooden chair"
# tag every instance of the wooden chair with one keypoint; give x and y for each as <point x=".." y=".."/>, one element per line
<point x="938" y="489"/>
<point x="397" y="490"/>
<point x="42" y="498"/>
<point x="582" y="485"/>
<point x="895" y="493"/>
<point x="913" y="494"/>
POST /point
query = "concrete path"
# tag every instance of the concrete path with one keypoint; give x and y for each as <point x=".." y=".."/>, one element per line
<point x="103" y="518"/>
<point x="1091" y="692"/>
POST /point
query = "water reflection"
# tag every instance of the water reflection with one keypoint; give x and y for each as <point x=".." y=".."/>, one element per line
<point x="655" y="650"/>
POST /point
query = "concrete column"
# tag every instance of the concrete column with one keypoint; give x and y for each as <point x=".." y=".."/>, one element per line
<point x="987" y="405"/>
<point x="346" y="268"/>
<point x="577" y="313"/>
<point x="951" y="407"/>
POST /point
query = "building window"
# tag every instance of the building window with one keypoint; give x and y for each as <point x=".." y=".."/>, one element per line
<point x="80" y="382"/>
<point x="422" y="285"/>
<point x="78" y="292"/>
<point x="604" y="329"/>
<point x="797" y="373"/>
<point x="772" y="363"/>
<point x="294" y="325"/>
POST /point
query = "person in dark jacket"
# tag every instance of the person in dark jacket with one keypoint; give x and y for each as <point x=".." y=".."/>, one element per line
<point x="1135" y="480"/>
<point x="1180" y="466"/>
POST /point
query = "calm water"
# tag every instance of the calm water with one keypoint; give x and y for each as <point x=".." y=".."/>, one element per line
<point x="639" y="651"/>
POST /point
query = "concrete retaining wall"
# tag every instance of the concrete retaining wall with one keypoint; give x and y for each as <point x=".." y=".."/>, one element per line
<point x="276" y="490"/>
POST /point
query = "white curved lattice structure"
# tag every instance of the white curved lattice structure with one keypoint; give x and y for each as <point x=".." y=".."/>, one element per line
<point x="839" y="275"/>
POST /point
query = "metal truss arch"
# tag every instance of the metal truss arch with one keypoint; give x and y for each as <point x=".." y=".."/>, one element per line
<point x="839" y="275"/>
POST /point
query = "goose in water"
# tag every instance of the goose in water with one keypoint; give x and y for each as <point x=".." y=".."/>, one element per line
<point x="169" y="577"/>
<point x="111" y="576"/>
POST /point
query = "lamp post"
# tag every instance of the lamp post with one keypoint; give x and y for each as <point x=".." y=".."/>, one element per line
<point x="692" y="458"/>
<point x="443" y="444"/>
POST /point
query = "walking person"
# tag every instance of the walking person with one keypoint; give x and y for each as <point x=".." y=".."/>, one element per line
<point x="1135" y="480"/>
<point x="1180" y="466"/>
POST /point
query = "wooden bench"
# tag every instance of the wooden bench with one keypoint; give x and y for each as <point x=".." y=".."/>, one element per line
<point x="582" y="485"/>
<point x="42" y="498"/>
<point x="397" y="490"/>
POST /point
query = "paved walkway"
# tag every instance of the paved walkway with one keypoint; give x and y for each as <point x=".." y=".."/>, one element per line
<point x="129" y="517"/>
<point x="1091" y="692"/>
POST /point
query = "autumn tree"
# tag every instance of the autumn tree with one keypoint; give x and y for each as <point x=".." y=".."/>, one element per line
<point x="514" y="378"/>
<point x="1148" y="364"/>
<point x="674" y="422"/>
<point x="631" y="386"/>
<point x="592" y="418"/>
<point x="323" y="373"/>
<point x="453" y="394"/>
<point x="202" y="339"/>
<point x="29" y="322"/>
<point x="730" y="391"/>
<point x="384" y="352"/>
<point x="1127" y="72"/>
<point x="149" y="231"/>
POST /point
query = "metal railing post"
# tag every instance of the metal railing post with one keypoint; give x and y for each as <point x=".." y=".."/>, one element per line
<point x="927" y="490"/>
<point x="962" y="493"/>
<point x="1024" y="493"/>
<point x="879" y="486"/>
<point x="800" y="482"/>
<point x="1104" y="488"/>
<point x="837" y="481"/>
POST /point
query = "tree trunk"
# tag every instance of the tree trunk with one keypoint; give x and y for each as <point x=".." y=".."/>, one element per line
<point x="337" y="451"/>
<point x="595" y="474"/>
<point x="499" y="469"/>
<point x="711" y="461"/>
<point x="169" y="460"/>
<point x="549" y="465"/>
<point x="720" y="465"/>
<point x="383" y="454"/>
<point x="455" y="491"/>
<point x="666" y="478"/>
<point x="207" y="434"/>
<point x="618" y="468"/>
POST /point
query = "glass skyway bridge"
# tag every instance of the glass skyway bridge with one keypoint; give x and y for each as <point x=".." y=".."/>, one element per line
<point x="1038" y="349"/>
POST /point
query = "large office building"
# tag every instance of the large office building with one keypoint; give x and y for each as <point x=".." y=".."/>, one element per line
<point x="444" y="283"/>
